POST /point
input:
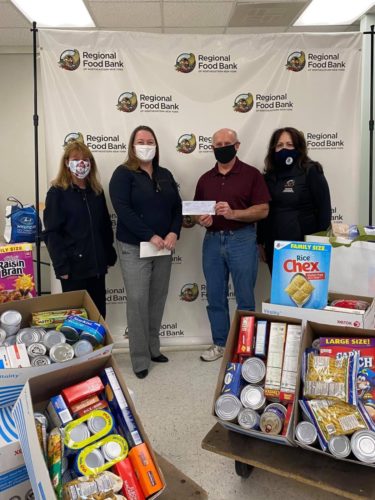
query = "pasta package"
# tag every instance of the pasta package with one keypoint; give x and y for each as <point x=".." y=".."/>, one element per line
<point x="300" y="274"/>
<point x="332" y="418"/>
<point x="331" y="378"/>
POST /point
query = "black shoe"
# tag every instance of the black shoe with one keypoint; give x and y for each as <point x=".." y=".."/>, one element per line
<point x="141" y="374"/>
<point x="160" y="359"/>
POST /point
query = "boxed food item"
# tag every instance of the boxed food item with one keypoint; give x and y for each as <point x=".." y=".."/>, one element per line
<point x="330" y="315"/>
<point x="300" y="274"/>
<point x="16" y="272"/>
<point x="13" y="379"/>
<point x="338" y="420"/>
<point x="247" y="398"/>
<point x="14" y="480"/>
<point x="96" y="446"/>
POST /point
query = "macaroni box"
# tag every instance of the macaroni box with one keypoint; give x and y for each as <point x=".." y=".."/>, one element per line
<point x="13" y="379"/>
<point x="300" y="274"/>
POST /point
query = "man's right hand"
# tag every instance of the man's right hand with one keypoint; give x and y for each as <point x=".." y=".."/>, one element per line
<point x="64" y="277"/>
<point x="157" y="241"/>
<point x="205" y="220"/>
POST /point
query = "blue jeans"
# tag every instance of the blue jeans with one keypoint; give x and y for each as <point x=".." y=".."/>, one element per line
<point x="224" y="253"/>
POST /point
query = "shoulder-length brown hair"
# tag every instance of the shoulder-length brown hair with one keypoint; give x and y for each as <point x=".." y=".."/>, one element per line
<point x="132" y="162"/>
<point x="299" y="143"/>
<point x="64" y="176"/>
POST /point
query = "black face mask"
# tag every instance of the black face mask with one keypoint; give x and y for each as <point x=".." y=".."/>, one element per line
<point x="286" y="157"/>
<point x="225" y="154"/>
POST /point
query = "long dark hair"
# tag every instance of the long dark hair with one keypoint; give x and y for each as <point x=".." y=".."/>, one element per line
<point x="299" y="144"/>
<point x="132" y="161"/>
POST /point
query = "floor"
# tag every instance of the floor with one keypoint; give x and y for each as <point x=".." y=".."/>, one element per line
<point x="174" y="403"/>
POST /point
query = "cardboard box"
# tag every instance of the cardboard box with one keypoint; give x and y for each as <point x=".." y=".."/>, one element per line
<point x="12" y="380"/>
<point x="35" y="395"/>
<point x="312" y="332"/>
<point x="14" y="480"/>
<point x="356" y="318"/>
<point x="229" y="353"/>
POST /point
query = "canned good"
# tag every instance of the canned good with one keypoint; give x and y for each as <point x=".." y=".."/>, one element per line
<point x="79" y="433"/>
<point x="272" y="421"/>
<point x="339" y="446"/>
<point x="82" y="347"/>
<point x="3" y="335"/>
<point x="227" y="407"/>
<point x="96" y="424"/>
<point x="10" y="321"/>
<point x="306" y="433"/>
<point x="279" y="406"/>
<point x="94" y="459"/>
<point x="11" y="340"/>
<point x="316" y="344"/>
<point x="36" y="349"/>
<point x="70" y="333"/>
<point x="253" y="370"/>
<point x="249" y="419"/>
<point x="28" y="336"/>
<point x="52" y="338"/>
<point x="252" y="396"/>
<point x="60" y="353"/>
<point x="95" y="338"/>
<point x="232" y="379"/>
<point x="40" y="361"/>
<point x="363" y="446"/>
<point x="111" y="450"/>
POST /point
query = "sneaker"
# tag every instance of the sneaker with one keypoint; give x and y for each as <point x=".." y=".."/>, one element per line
<point x="213" y="353"/>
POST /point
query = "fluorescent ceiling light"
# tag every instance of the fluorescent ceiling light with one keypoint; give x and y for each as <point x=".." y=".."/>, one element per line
<point x="333" y="12"/>
<point x="56" y="13"/>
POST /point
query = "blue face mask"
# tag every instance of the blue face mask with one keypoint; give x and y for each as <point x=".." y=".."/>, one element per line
<point x="286" y="157"/>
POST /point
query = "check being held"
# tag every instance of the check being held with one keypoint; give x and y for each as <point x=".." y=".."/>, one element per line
<point x="198" y="207"/>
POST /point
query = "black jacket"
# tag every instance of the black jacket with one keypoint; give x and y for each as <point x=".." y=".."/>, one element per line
<point x="78" y="232"/>
<point x="300" y="205"/>
<point x="145" y="206"/>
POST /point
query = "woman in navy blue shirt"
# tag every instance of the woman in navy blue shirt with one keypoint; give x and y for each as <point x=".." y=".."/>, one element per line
<point x="148" y="207"/>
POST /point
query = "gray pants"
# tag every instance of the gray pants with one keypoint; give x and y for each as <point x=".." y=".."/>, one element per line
<point x="146" y="283"/>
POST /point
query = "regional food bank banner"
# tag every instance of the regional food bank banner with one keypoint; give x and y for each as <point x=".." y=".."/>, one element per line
<point x="98" y="86"/>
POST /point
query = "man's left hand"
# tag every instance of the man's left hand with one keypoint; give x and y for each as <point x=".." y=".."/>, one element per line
<point x="223" y="208"/>
<point x="170" y="241"/>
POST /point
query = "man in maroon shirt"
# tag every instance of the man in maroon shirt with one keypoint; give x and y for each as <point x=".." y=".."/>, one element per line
<point x="229" y="246"/>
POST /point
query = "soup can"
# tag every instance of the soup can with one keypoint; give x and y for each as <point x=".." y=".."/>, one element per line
<point x="28" y="336"/>
<point x="78" y="433"/>
<point x="339" y="446"/>
<point x="10" y="321"/>
<point x="363" y="446"/>
<point x="227" y="407"/>
<point x="60" y="353"/>
<point x="252" y="396"/>
<point x="53" y="337"/>
<point x="111" y="450"/>
<point x="71" y="334"/>
<point x="11" y="340"/>
<point x="306" y="433"/>
<point x="249" y="419"/>
<point x="40" y="361"/>
<point x="3" y="335"/>
<point x="36" y="349"/>
<point x="272" y="421"/>
<point x="96" y="424"/>
<point x="253" y="370"/>
<point x="82" y="348"/>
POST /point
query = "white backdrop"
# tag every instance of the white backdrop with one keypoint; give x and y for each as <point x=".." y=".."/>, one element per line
<point x="100" y="85"/>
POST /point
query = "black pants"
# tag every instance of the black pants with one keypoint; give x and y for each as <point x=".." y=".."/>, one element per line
<point x="95" y="287"/>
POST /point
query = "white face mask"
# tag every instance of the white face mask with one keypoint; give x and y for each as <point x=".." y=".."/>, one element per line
<point x="144" y="152"/>
<point x="80" y="168"/>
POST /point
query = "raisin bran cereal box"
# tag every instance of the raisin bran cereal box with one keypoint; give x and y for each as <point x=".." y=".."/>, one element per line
<point x="300" y="274"/>
<point x="16" y="272"/>
<point x="338" y="348"/>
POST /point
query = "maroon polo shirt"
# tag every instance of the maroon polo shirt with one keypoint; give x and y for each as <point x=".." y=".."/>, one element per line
<point x="242" y="187"/>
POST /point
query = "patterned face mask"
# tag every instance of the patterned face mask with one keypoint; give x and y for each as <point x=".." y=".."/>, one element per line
<point x="80" y="168"/>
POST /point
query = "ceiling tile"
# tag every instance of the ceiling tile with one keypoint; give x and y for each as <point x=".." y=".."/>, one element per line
<point x="196" y="14"/>
<point x="109" y="14"/>
<point x="266" y="14"/>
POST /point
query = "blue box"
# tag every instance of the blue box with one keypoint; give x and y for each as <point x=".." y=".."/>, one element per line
<point x="300" y="274"/>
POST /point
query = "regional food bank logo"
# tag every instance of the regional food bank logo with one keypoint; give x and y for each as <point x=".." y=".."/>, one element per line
<point x="70" y="59"/>
<point x="186" y="143"/>
<point x="313" y="61"/>
<point x="320" y="140"/>
<point x="211" y="63"/>
<point x="98" y="142"/>
<point x="296" y="61"/>
<point x="243" y="103"/>
<point x="185" y="62"/>
<point x="127" y="102"/>
<point x="189" y="292"/>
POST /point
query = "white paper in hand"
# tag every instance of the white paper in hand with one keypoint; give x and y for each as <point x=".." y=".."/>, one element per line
<point x="147" y="249"/>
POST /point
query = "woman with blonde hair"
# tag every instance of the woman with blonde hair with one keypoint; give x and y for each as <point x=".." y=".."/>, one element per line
<point x="148" y="207"/>
<point x="78" y="229"/>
